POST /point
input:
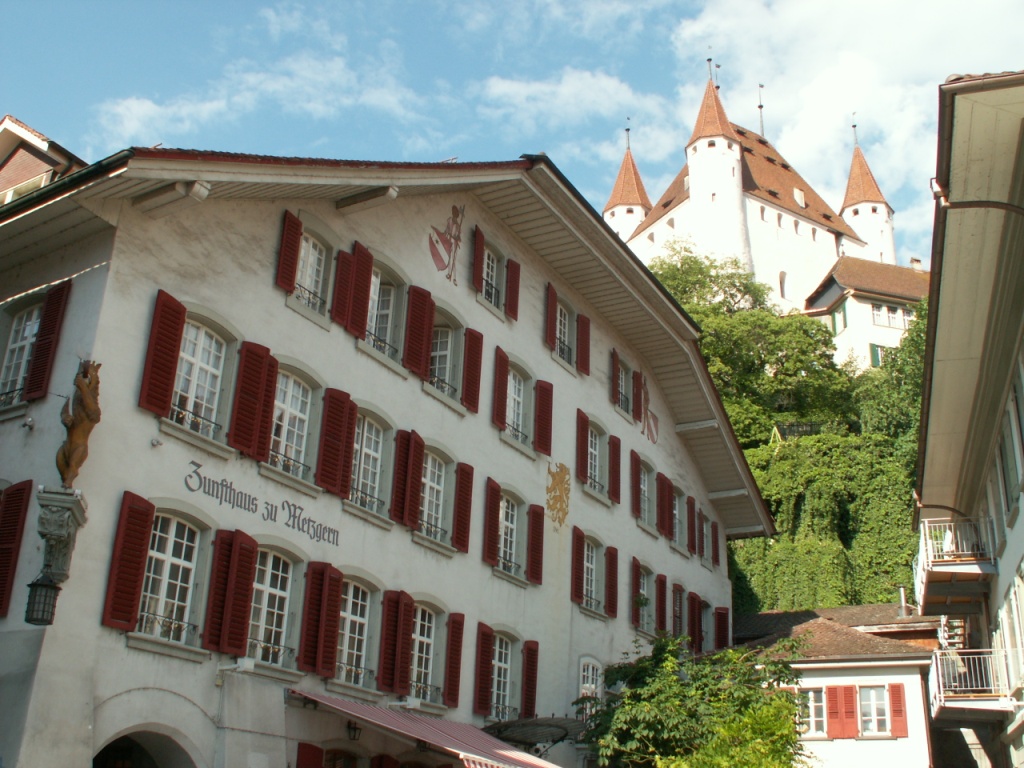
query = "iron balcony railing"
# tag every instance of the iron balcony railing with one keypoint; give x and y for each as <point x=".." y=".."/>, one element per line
<point x="426" y="692"/>
<point x="271" y="653"/>
<point x="310" y="298"/>
<point x="492" y="293"/>
<point x="591" y="603"/>
<point x="624" y="401"/>
<point x="435" y="532"/>
<point x="517" y="434"/>
<point x="167" y="628"/>
<point x="381" y="345"/>
<point x="10" y="397"/>
<point x="355" y="675"/>
<point x="564" y="351"/>
<point x="504" y="712"/>
<point x="367" y="501"/>
<point x="509" y="566"/>
<point x="956" y="541"/>
<point x="968" y="675"/>
<point x="195" y="422"/>
<point x="595" y="485"/>
<point x="444" y="387"/>
<point x="290" y="466"/>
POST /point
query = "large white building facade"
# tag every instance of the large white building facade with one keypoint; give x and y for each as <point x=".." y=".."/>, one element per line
<point x="736" y="197"/>
<point x="970" y="568"/>
<point x="378" y="441"/>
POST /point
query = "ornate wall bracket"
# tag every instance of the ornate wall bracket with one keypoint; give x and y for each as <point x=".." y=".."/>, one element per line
<point x="62" y="513"/>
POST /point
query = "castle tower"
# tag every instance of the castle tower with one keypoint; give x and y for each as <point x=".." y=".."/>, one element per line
<point x="629" y="203"/>
<point x="867" y="212"/>
<point x="717" y="212"/>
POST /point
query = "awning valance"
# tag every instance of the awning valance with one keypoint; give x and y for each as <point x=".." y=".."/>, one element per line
<point x="472" y="746"/>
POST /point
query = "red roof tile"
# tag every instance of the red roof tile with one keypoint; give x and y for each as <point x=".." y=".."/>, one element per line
<point x="711" y="120"/>
<point x="629" y="187"/>
<point x="864" y="276"/>
<point x="861" y="187"/>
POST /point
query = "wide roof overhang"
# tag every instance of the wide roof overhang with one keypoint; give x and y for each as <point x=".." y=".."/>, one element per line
<point x="976" y="301"/>
<point x="530" y="196"/>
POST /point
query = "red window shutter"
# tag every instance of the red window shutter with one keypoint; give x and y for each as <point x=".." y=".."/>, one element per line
<point x="128" y="562"/>
<point x="419" y="331"/>
<point x="341" y="301"/>
<point x="670" y="523"/>
<point x="691" y="525"/>
<point x="336" y="442"/>
<point x="309" y="756"/>
<point x="615" y="377"/>
<point x="535" y="545"/>
<point x="721" y="628"/>
<point x="288" y="253"/>
<point x="414" y="485"/>
<point x="252" y="416"/>
<point x="898" y="710"/>
<point x="472" y="362"/>
<point x="13" y="510"/>
<point x="161" y="369"/>
<point x="330" y="621"/>
<point x="614" y="469"/>
<point x="500" y="406"/>
<point x="583" y="344"/>
<point x="701" y="544"/>
<point x="400" y="476"/>
<point x="638" y="396"/>
<point x="611" y="582"/>
<point x="635" y="471"/>
<point x="662" y="484"/>
<point x="512" y="270"/>
<point x="635" y="593"/>
<point x="403" y="657"/>
<point x="695" y="622"/>
<point x="582" y="435"/>
<point x="362" y="281"/>
<point x="492" y="521"/>
<point x="213" y="626"/>
<point x="715" y="548"/>
<point x="309" y="642"/>
<point x="677" y="609"/>
<point x="453" y="660"/>
<point x="551" y="316"/>
<point x="478" y="259"/>
<point x="484" y="660"/>
<point x="531" y="664"/>
<point x="576" y="583"/>
<point x="238" y="599"/>
<point x="848" y="704"/>
<point x="44" y="350"/>
<point x="543" y="419"/>
<point x="835" y="726"/>
<point x="661" y="602"/>
<point x="463" y="507"/>
<point x="388" y="641"/>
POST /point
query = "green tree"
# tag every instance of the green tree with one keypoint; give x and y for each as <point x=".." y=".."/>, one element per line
<point x="675" y="710"/>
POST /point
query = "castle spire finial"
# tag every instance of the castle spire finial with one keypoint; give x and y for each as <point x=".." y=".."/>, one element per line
<point x="710" y="75"/>
<point x="760" y="105"/>
<point x="627" y="133"/>
<point x="854" y="126"/>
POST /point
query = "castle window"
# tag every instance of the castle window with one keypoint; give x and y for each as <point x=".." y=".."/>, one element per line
<point x="782" y="285"/>
<point x="762" y="213"/>
<point x="814" y="233"/>
<point x="856" y="211"/>
<point x="796" y="226"/>
<point x="629" y="211"/>
<point x="778" y="219"/>
<point x="874" y="209"/>
<point x="711" y="142"/>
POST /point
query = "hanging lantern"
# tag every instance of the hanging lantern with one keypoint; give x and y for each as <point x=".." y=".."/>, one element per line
<point x="42" y="600"/>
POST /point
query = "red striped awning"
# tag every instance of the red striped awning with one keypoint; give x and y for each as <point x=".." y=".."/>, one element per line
<point x="472" y="746"/>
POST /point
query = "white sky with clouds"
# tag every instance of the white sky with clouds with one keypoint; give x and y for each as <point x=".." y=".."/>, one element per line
<point x="427" y="80"/>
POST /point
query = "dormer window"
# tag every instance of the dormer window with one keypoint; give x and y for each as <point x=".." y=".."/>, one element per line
<point x="798" y="195"/>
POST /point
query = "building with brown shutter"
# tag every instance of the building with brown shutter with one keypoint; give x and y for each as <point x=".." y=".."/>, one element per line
<point x="390" y="453"/>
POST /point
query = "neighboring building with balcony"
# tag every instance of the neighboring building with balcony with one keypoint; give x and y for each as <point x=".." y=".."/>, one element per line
<point x="389" y="453"/>
<point x="971" y="560"/>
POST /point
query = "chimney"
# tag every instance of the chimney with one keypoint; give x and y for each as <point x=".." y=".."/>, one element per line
<point x="904" y="608"/>
<point x="915" y="264"/>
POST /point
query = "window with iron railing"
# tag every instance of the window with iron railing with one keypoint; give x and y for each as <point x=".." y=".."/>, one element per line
<point x="353" y="633"/>
<point x="366" y="465"/>
<point x="167" y="587"/>
<point x="18" y="355"/>
<point x="269" y="613"/>
<point x="290" y="425"/>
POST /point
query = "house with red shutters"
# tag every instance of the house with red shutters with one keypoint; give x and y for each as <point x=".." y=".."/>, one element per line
<point x="387" y="458"/>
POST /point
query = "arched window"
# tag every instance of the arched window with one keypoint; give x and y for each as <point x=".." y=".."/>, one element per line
<point x="368" y="463"/>
<point x="354" y="665"/>
<point x="290" y="429"/>
<point x="168" y="587"/>
<point x="268" y="625"/>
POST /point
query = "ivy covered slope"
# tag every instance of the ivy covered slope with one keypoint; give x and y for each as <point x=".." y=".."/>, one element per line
<point x="842" y="497"/>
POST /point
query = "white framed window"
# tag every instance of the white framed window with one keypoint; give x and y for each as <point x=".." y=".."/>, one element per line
<point x="812" y="712"/>
<point x="268" y="622"/>
<point x="501" y="680"/>
<point x="167" y="586"/>
<point x="446" y="353"/>
<point x="199" y="380"/>
<point x="382" y="317"/>
<point x="877" y="316"/>
<point x="509" y="555"/>
<point x="592" y="563"/>
<point x="645" y="599"/>
<point x="493" y="277"/>
<point x="591" y="686"/>
<point x="18" y="354"/>
<point x="564" y="333"/>
<point x="895" y="321"/>
<point x="874" y="710"/>
<point x="597" y="456"/>
<point x="648" y="494"/>
<point x="625" y="384"/>
<point x="290" y="429"/>
<point x="432" y="499"/>
<point x="678" y="527"/>
<point x="353" y="665"/>
<point x="367" y="464"/>
<point x="424" y="630"/>
<point x="311" y="275"/>
<point x="516" y="406"/>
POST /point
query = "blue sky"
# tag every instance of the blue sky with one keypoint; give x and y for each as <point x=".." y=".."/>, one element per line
<point x="428" y="80"/>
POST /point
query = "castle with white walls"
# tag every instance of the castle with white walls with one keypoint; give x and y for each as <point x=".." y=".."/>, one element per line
<point x="736" y="196"/>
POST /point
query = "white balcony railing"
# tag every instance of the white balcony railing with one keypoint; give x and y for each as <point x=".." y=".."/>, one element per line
<point x="959" y="677"/>
<point x="951" y="542"/>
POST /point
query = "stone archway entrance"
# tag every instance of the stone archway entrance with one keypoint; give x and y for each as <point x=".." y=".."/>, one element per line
<point x="143" y="750"/>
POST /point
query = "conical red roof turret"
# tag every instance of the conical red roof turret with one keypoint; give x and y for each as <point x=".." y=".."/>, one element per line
<point x="711" y="120"/>
<point x="629" y="187"/>
<point x="862" y="187"/>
